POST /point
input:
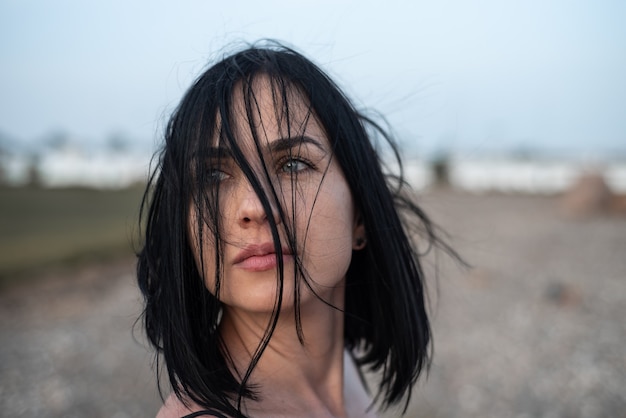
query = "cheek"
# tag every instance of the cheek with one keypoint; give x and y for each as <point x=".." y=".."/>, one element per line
<point x="328" y="247"/>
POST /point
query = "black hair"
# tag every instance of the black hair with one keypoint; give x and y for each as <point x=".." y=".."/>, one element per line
<point x="386" y="323"/>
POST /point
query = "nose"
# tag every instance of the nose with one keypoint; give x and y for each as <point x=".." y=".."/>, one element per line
<point x="250" y="210"/>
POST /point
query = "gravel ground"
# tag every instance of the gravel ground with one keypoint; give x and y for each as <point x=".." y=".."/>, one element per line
<point x="535" y="329"/>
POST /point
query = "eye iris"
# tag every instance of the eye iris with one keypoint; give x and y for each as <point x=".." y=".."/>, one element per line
<point x="292" y="166"/>
<point x="217" y="175"/>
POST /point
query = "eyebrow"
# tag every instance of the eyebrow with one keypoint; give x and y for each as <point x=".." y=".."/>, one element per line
<point x="279" y="145"/>
<point x="283" y="144"/>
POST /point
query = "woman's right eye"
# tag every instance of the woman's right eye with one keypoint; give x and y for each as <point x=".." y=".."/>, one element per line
<point x="216" y="176"/>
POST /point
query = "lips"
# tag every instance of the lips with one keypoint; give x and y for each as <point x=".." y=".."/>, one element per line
<point x="258" y="257"/>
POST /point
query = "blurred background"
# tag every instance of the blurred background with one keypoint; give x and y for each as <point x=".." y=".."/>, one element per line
<point x="511" y="120"/>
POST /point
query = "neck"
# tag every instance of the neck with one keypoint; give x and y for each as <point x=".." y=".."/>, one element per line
<point x="313" y="369"/>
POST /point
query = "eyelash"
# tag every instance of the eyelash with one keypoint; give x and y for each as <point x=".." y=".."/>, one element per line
<point x="215" y="176"/>
<point x="284" y="162"/>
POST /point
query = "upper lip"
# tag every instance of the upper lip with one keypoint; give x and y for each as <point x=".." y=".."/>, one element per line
<point x="253" y="250"/>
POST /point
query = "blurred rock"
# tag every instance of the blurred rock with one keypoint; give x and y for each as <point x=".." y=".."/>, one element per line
<point x="618" y="205"/>
<point x="562" y="294"/>
<point x="589" y="196"/>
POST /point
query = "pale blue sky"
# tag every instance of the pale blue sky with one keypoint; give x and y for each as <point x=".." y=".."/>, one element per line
<point x="474" y="75"/>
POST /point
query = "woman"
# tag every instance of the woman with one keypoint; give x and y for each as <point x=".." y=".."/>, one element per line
<point x="277" y="265"/>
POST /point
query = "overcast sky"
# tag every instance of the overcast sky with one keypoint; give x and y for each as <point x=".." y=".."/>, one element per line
<point x="470" y="75"/>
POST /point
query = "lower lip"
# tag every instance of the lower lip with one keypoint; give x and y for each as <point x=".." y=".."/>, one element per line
<point x="261" y="262"/>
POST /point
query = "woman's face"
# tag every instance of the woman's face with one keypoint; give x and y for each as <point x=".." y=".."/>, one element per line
<point x="313" y="193"/>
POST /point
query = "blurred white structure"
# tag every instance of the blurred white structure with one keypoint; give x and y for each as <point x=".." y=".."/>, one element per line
<point x="418" y="173"/>
<point x="102" y="170"/>
<point x="526" y="176"/>
<point x="534" y="176"/>
<point x="69" y="166"/>
<point x="615" y="176"/>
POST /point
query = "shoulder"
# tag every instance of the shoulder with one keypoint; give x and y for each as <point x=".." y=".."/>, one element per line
<point x="174" y="408"/>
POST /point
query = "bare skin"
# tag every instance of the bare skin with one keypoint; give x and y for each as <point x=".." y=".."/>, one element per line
<point x="317" y="378"/>
<point x="356" y="402"/>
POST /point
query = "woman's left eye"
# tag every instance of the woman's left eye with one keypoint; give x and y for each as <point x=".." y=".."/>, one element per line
<point x="293" y="165"/>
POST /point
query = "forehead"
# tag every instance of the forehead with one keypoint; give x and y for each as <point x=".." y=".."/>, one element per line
<point x="266" y="106"/>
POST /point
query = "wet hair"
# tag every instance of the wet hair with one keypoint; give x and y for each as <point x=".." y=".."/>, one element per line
<point x="386" y="323"/>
